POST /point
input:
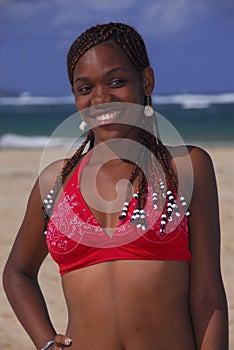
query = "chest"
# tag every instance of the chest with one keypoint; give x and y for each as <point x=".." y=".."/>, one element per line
<point x="104" y="189"/>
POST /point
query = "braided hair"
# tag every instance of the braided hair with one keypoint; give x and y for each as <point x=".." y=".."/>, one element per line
<point x="125" y="36"/>
<point x="133" y="45"/>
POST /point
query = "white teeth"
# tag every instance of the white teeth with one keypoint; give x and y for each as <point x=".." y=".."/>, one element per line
<point x="107" y="116"/>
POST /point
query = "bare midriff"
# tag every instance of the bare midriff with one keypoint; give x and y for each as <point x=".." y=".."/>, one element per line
<point x="129" y="305"/>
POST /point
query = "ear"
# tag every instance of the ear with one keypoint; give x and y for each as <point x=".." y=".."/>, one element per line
<point x="148" y="81"/>
<point x="72" y="89"/>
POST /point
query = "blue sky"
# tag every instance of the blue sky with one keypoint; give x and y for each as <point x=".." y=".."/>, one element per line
<point x="190" y="42"/>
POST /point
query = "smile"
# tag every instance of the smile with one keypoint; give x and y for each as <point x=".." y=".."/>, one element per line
<point x="108" y="116"/>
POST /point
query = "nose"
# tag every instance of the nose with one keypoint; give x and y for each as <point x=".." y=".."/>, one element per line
<point x="100" y="95"/>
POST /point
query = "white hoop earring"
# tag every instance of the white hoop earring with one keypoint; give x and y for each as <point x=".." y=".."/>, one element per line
<point x="82" y="125"/>
<point x="148" y="110"/>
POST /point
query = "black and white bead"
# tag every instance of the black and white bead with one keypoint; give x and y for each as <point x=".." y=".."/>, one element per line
<point x="172" y="206"/>
<point x="155" y="200"/>
<point x="143" y="220"/>
<point x="126" y="208"/>
<point x="139" y="217"/>
<point x="124" y="211"/>
<point x="136" y="218"/>
<point x="184" y="205"/>
<point x="162" y="187"/>
<point x="163" y="222"/>
<point x="48" y="203"/>
<point x="135" y="195"/>
<point x="169" y="211"/>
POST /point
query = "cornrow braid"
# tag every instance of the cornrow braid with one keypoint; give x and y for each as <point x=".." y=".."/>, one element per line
<point x="125" y="36"/>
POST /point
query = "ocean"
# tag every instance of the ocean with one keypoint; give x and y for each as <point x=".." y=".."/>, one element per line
<point x="28" y="121"/>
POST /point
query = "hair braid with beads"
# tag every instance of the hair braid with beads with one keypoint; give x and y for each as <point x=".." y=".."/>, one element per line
<point x="134" y="47"/>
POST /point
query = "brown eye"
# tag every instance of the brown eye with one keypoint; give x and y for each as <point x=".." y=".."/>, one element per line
<point x="117" y="83"/>
<point x="84" y="90"/>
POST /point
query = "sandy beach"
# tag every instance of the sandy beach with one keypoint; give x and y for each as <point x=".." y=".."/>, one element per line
<point x="19" y="169"/>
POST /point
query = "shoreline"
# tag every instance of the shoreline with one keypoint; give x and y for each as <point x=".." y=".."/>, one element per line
<point x="199" y="143"/>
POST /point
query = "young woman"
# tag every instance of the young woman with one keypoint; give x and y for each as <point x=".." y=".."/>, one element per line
<point x="138" y="272"/>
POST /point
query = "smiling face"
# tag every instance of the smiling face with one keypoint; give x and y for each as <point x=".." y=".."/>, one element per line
<point x="104" y="75"/>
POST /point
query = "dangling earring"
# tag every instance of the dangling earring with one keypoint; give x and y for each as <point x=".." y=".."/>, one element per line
<point x="148" y="110"/>
<point x="82" y="125"/>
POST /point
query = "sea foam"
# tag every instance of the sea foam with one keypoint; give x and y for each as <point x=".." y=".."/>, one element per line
<point x="186" y="100"/>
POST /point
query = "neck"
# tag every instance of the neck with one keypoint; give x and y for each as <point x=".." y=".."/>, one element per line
<point x="117" y="150"/>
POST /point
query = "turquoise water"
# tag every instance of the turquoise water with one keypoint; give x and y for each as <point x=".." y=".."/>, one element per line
<point x="197" y="122"/>
<point x="215" y="123"/>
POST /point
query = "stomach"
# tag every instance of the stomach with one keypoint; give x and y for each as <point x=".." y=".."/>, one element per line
<point x="129" y="305"/>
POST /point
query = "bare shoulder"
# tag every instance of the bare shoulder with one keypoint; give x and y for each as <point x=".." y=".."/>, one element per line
<point x="44" y="183"/>
<point x="203" y="168"/>
<point x="194" y="152"/>
<point x="204" y="187"/>
<point x="194" y="169"/>
<point x="199" y="158"/>
<point x="48" y="176"/>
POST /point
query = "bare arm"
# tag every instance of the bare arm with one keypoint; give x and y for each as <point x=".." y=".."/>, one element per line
<point x="21" y="270"/>
<point x="208" y="303"/>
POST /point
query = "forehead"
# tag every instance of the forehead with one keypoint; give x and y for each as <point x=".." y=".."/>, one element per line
<point x="104" y="56"/>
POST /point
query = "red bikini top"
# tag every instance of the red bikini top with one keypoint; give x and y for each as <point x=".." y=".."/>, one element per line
<point x="75" y="239"/>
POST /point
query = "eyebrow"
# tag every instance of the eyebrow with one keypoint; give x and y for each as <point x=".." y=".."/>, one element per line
<point x="84" y="78"/>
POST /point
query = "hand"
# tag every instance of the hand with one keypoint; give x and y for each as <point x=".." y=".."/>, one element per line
<point x="61" y="341"/>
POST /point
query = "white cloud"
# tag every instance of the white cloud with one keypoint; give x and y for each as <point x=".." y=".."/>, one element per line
<point x="171" y="16"/>
<point x="167" y="17"/>
<point x="21" y="9"/>
<point x="106" y="5"/>
<point x="66" y="18"/>
<point x="70" y="12"/>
